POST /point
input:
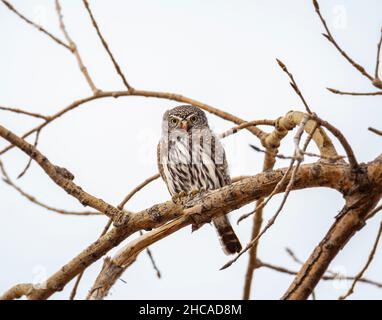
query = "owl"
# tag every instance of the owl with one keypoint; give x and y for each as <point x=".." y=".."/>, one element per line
<point x="191" y="159"/>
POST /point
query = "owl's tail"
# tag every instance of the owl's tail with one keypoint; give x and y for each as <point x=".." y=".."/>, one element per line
<point x="227" y="236"/>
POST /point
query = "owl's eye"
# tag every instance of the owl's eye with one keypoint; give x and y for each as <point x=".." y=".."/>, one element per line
<point x="193" y="119"/>
<point x="173" y="121"/>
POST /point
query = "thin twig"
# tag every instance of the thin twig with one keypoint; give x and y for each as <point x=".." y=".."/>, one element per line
<point x="294" y="85"/>
<point x="331" y="39"/>
<point x="326" y="277"/>
<point x="32" y="199"/>
<point x="376" y="74"/>
<point x="141" y="93"/>
<point x="79" y="277"/>
<point x="246" y="125"/>
<point x="151" y="257"/>
<point x="75" y="287"/>
<point x="106" y="228"/>
<point x="377" y="93"/>
<point x="309" y="154"/>
<point x="281" y="182"/>
<point x="136" y="189"/>
<point x="369" y="260"/>
<point x="106" y="46"/>
<point x="64" y="179"/>
<point x="123" y="203"/>
<point x="230" y="198"/>
<point x="349" y="151"/>
<point x="20" y="111"/>
<point x="374" y="212"/>
<point x="293" y="256"/>
<point x="30" y="158"/>
<point x="74" y="49"/>
<point x="376" y="131"/>
<point x="341" y="138"/>
<point x="286" y="192"/>
<point x="35" y="25"/>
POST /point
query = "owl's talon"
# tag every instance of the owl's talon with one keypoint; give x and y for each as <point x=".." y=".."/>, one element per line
<point x="195" y="192"/>
<point x="178" y="197"/>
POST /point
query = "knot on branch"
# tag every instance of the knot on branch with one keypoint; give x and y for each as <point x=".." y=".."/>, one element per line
<point x="377" y="83"/>
<point x="155" y="213"/>
<point x="121" y="218"/>
<point x="65" y="173"/>
<point x="362" y="183"/>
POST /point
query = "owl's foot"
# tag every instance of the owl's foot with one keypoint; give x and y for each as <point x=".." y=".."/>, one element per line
<point x="195" y="192"/>
<point x="179" y="197"/>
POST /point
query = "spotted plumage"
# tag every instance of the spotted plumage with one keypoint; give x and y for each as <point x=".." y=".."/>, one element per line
<point x="191" y="158"/>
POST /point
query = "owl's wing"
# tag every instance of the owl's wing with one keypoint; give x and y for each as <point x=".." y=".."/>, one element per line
<point x="220" y="158"/>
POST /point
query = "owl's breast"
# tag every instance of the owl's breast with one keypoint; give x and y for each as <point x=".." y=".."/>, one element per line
<point x="189" y="166"/>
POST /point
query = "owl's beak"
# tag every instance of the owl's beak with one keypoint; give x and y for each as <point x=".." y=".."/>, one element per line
<point x="184" y="125"/>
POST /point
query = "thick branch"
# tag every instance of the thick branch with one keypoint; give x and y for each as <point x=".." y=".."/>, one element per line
<point x="359" y="202"/>
<point x="231" y="197"/>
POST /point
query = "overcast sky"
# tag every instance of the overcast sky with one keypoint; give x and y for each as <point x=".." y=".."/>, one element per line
<point x="218" y="52"/>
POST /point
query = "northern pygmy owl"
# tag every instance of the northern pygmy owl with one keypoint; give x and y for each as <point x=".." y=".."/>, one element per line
<point x="191" y="159"/>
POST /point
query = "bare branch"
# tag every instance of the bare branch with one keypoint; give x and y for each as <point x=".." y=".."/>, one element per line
<point x="276" y="190"/>
<point x="230" y="198"/>
<point x="309" y="154"/>
<point x="341" y="138"/>
<point x="74" y="50"/>
<point x="106" y="228"/>
<point x="63" y="179"/>
<point x="35" y="25"/>
<point x="245" y="125"/>
<point x="20" y="111"/>
<point x="376" y="131"/>
<point x="18" y="291"/>
<point x="359" y="203"/>
<point x="136" y="189"/>
<point x="327" y="277"/>
<point x="331" y="39"/>
<point x="372" y="213"/>
<point x="30" y="159"/>
<point x="369" y="260"/>
<point x="294" y="85"/>
<point x="293" y="256"/>
<point x="142" y="93"/>
<point x="8" y="181"/>
<point x="376" y="74"/>
<point x="377" y="93"/>
<point x="106" y="46"/>
<point x="252" y="257"/>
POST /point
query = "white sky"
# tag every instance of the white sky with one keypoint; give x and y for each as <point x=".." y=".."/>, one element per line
<point x="219" y="52"/>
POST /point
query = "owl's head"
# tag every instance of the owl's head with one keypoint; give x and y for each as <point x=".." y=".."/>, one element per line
<point x="185" y="118"/>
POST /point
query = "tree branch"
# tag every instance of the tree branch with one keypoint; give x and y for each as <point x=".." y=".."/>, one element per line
<point x="35" y="25"/>
<point x="142" y="93"/>
<point x="369" y="260"/>
<point x="32" y="199"/>
<point x="359" y="202"/>
<point x="106" y="46"/>
<point x="64" y="179"/>
<point x="27" y="113"/>
<point x="231" y="197"/>
<point x="354" y="93"/>
<point x="74" y="50"/>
